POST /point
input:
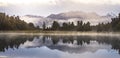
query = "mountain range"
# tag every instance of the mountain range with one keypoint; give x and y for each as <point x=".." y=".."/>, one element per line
<point x="71" y="16"/>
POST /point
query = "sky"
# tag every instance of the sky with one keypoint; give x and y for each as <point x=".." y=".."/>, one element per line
<point x="47" y="7"/>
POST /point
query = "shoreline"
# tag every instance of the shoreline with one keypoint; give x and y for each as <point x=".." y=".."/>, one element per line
<point x="60" y="33"/>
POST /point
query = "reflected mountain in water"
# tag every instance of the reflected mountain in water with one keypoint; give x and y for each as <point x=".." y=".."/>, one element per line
<point x="71" y="44"/>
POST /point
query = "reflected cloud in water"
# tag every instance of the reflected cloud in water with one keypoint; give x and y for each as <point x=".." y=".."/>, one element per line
<point x="26" y="46"/>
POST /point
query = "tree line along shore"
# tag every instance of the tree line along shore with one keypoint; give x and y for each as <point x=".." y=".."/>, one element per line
<point x="13" y="23"/>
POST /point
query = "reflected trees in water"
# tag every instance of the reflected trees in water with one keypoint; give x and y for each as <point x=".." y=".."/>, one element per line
<point x="15" y="41"/>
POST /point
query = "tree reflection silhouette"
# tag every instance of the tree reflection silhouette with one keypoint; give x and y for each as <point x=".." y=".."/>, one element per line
<point x="12" y="42"/>
<point x="15" y="41"/>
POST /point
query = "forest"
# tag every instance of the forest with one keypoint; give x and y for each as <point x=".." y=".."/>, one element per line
<point x="8" y="23"/>
<point x="114" y="25"/>
<point x="14" y="23"/>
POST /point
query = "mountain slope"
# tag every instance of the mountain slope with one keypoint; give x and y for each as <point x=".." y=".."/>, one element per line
<point x="72" y="16"/>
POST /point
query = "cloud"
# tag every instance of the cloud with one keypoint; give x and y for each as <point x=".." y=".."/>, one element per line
<point x="3" y="4"/>
<point x="27" y="2"/>
<point x="59" y="1"/>
<point x="46" y="7"/>
<point x="97" y="1"/>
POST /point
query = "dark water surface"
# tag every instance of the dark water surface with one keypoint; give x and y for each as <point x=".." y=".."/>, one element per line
<point x="50" y="46"/>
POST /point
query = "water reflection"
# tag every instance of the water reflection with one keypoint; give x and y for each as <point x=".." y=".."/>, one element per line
<point x="47" y="46"/>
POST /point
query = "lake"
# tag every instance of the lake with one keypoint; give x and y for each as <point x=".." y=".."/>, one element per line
<point x="59" y="46"/>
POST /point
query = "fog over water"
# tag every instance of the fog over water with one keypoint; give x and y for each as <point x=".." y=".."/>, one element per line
<point x="66" y="33"/>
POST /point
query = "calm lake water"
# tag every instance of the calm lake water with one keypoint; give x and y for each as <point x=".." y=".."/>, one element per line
<point x="56" y="46"/>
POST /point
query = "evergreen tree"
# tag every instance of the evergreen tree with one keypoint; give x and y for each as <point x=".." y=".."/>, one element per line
<point x="65" y="26"/>
<point x="72" y="26"/>
<point x="13" y="23"/>
<point x="88" y="27"/>
<point x="44" y="26"/>
<point x="55" y="26"/>
<point x="79" y="26"/>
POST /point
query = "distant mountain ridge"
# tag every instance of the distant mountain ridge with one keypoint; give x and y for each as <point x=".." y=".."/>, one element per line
<point x="34" y="16"/>
<point x="72" y="16"/>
